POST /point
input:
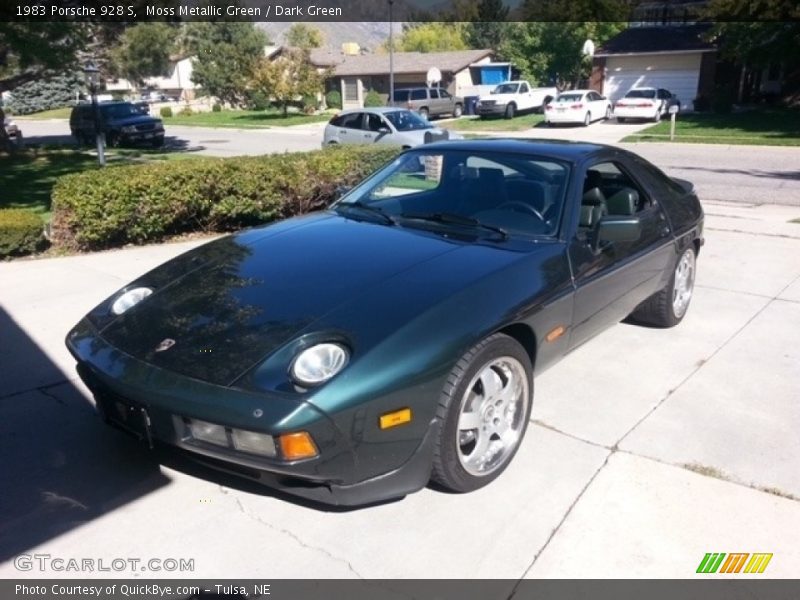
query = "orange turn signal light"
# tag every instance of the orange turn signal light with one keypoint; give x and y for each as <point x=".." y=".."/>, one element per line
<point x="555" y="333"/>
<point x="296" y="446"/>
<point x="395" y="418"/>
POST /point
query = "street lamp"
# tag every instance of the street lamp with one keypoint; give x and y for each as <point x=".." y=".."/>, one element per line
<point x="391" y="56"/>
<point x="92" y="79"/>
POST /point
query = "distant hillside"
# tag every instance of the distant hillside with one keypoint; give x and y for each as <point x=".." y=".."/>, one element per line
<point x="366" y="34"/>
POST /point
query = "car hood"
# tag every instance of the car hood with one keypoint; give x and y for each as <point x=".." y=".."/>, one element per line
<point x="228" y="304"/>
<point x="133" y="120"/>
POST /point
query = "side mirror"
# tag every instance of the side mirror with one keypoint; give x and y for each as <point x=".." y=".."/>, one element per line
<point x="384" y="130"/>
<point x="614" y="228"/>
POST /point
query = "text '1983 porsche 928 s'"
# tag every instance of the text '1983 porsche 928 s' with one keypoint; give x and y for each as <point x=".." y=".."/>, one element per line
<point x="355" y="354"/>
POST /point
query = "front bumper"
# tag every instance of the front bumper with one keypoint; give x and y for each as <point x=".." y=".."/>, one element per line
<point x="142" y="136"/>
<point x="635" y="113"/>
<point x="144" y="400"/>
<point x="493" y="109"/>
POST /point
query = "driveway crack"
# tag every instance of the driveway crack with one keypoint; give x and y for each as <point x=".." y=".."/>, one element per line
<point x="560" y="523"/>
<point x="292" y="535"/>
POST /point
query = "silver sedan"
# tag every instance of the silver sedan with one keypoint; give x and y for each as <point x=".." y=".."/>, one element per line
<point x="382" y="125"/>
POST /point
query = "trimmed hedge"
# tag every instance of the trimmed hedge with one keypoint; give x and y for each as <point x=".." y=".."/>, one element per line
<point x="333" y="99"/>
<point x="166" y="111"/>
<point x="146" y="203"/>
<point x="21" y="232"/>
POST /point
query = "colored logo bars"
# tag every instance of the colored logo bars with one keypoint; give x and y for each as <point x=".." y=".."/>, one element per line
<point x="713" y="562"/>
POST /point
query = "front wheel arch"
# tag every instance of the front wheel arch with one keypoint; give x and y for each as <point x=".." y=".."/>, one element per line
<point x="525" y="337"/>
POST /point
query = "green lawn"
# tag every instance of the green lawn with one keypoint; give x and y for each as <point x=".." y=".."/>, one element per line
<point x="244" y="119"/>
<point x="56" y="113"/>
<point x="26" y="178"/>
<point x="495" y="123"/>
<point x="770" y="127"/>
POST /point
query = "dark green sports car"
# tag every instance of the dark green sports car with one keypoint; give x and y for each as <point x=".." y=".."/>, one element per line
<point x="355" y="354"/>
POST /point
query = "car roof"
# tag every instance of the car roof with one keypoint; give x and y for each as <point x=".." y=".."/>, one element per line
<point x="558" y="149"/>
<point x="374" y="109"/>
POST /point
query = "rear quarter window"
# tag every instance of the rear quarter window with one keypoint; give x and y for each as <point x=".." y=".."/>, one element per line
<point x="683" y="208"/>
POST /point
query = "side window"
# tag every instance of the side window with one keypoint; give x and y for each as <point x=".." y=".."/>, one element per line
<point x="419" y="94"/>
<point x="523" y="89"/>
<point x="610" y="188"/>
<point x="445" y="94"/>
<point x="374" y="122"/>
<point x="351" y="121"/>
<point x="434" y="94"/>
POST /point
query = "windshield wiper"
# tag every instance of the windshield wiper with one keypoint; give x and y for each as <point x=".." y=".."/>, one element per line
<point x="455" y="219"/>
<point x="374" y="210"/>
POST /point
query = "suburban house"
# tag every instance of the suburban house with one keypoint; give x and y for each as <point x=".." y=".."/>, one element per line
<point x="672" y="56"/>
<point x="178" y="84"/>
<point x="355" y="74"/>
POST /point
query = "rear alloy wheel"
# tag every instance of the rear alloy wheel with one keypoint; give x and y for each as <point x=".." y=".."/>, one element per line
<point x="667" y="307"/>
<point x="457" y="111"/>
<point x="657" y="118"/>
<point x="423" y="112"/>
<point x="511" y="109"/>
<point x="587" y="120"/>
<point x="483" y="410"/>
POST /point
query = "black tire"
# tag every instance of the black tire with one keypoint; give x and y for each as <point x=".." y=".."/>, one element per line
<point x="620" y="119"/>
<point x="511" y="109"/>
<point x="423" y="112"/>
<point x="113" y="140"/>
<point x="457" y="111"/>
<point x="608" y="113"/>
<point x="158" y="142"/>
<point x="659" y="309"/>
<point x="448" y="470"/>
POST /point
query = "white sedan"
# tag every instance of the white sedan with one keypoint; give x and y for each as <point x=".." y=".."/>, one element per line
<point x="577" y="106"/>
<point x="645" y="103"/>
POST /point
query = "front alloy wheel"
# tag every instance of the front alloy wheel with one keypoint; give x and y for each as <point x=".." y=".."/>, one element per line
<point x="484" y="411"/>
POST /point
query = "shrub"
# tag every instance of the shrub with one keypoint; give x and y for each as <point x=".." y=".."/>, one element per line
<point x="257" y="100"/>
<point x="310" y="103"/>
<point x="166" y="111"/>
<point x="373" y="98"/>
<point x="333" y="99"/>
<point x="21" y="232"/>
<point x="722" y="100"/>
<point x="146" y="203"/>
<point x="217" y="107"/>
<point x="186" y="111"/>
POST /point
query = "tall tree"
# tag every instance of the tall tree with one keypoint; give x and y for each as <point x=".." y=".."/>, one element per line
<point x="226" y="53"/>
<point x="489" y="29"/>
<point x="145" y="50"/>
<point x="305" y="36"/>
<point x="436" y="36"/>
<point x="548" y="52"/>
<point x="287" y="78"/>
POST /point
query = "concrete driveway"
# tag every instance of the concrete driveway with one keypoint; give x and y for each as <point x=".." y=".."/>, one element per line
<point x="647" y="449"/>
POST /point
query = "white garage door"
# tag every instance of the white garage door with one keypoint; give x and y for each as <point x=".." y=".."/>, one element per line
<point x="678" y="73"/>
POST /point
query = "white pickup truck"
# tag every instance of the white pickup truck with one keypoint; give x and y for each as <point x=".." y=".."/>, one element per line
<point x="511" y="97"/>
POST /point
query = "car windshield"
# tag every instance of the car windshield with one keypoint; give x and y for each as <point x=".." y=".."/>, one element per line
<point x="405" y="120"/>
<point x="641" y="94"/>
<point x="480" y="193"/>
<point x="506" y="88"/>
<point x="570" y="98"/>
<point x="120" y="111"/>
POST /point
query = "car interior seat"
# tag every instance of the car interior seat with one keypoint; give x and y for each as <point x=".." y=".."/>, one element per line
<point x="593" y="202"/>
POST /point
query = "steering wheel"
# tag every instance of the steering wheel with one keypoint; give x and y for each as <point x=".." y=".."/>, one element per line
<point x="524" y="206"/>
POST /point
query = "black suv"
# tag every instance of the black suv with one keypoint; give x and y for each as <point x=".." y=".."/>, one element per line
<point x="122" y="123"/>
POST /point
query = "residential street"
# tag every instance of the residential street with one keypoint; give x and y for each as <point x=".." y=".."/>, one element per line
<point x="680" y="442"/>
<point x="720" y="172"/>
